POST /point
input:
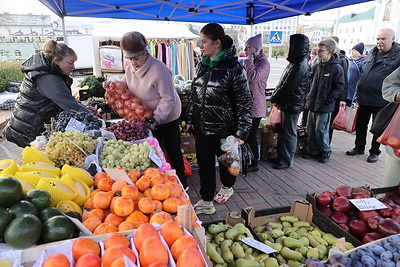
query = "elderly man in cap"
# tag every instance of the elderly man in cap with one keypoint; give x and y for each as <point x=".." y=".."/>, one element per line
<point x="380" y="62"/>
<point x="151" y="81"/>
<point x="257" y="69"/>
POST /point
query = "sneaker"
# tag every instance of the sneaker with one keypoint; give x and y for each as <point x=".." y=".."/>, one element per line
<point x="354" y="151"/>
<point x="372" y="158"/>
<point x="204" y="207"/>
<point x="325" y="157"/>
<point x="224" y="194"/>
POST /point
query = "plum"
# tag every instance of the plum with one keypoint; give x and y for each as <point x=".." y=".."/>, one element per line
<point x="396" y="256"/>
<point x="376" y="249"/>
<point x="368" y="260"/>
<point x="338" y="258"/>
<point x="390" y="247"/>
<point x="357" y="264"/>
<point x="355" y="256"/>
<point x="386" y="256"/>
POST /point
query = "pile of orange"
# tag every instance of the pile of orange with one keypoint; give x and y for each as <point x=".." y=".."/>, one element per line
<point x="116" y="206"/>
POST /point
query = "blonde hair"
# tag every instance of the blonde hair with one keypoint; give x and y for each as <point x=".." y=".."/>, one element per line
<point x="58" y="51"/>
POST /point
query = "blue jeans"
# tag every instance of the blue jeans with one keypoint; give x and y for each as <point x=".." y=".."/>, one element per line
<point x="318" y="132"/>
<point x="287" y="138"/>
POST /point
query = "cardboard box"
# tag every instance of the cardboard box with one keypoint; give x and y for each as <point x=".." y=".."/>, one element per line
<point x="312" y="198"/>
<point x="268" y="151"/>
<point x="269" y="138"/>
<point x="188" y="144"/>
<point x="302" y="145"/>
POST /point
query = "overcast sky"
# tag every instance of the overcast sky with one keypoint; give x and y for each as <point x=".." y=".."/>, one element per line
<point x="36" y="7"/>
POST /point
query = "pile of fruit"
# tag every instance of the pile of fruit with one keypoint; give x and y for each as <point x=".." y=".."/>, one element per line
<point x="64" y="117"/>
<point x="365" y="225"/>
<point x="28" y="219"/>
<point x="118" y="206"/>
<point x="135" y="129"/>
<point x="99" y="104"/>
<point x="153" y="247"/>
<point x="125" y="103"/>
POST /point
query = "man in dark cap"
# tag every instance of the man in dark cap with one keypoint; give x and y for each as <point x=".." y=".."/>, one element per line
<point x="356" y="62"/>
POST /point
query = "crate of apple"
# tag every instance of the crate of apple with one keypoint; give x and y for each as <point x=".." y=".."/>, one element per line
<point x="364" y="225"/>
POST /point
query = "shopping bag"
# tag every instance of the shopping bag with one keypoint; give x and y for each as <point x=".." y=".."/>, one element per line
<point x="340" y="121"/>
<point x="391" y="135"/>
<point x="383" y="118"/>
<point x="274" y="122"/>
<point x="351" y="117"/>
<point x="186" y="164"/>
<point x="247" y="158"/>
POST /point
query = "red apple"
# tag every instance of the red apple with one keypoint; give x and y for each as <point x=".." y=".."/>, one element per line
<point x="385" y="213"/>
<point x="341" y="204"/>
<point x="344" y="190"/>
<point x="339" y="217"/>
<point x="387" y="200"/>
<point x="326" y="211"/>
<point x="329" y="192"/>
<point x="396" y="213"/>
<point x="394" y="206"/>
<point x="359" y="195"/>
<point x="373" y="222"/>
<point x="364" y="215"/>
<point x="358" y="227"/>
<point x="344" y="227"/>
<point x="395" y="198"/>
<point x="369" y="237"/>
<point x="324" y="200"/>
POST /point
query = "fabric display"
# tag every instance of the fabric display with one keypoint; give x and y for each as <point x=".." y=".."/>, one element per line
<point x="177" y="55"/>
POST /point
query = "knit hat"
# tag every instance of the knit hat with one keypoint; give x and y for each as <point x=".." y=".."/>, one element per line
<point x="133" y="44"/>
<point x="255" y="41"/>
<point x="359" y="47"/>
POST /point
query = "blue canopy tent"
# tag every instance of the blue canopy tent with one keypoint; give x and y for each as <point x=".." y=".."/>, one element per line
<point x="242" y="12"/>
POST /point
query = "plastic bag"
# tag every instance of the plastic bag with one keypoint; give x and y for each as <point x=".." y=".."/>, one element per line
<point x="247" y="158"/>
<point x="274" y="122"/>
<point x="340" y="121"/>
<point x="351" y="117"/>
<point x="186" y="164"/>
<point x="231" y="158"/>
<point x="391" y="135"/>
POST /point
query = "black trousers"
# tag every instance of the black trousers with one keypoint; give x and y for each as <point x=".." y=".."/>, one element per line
<point x="252" y="139"/>
<point x="169" y="137"/>
<point x="206" y="150"/>
<point x="333" y="116"/>
<point x="363" y="117"/>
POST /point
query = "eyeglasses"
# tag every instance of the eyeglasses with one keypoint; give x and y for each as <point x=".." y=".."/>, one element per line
<point x="319" y="51"/>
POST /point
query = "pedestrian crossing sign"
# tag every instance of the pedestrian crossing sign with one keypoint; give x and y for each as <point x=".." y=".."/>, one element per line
<point x="275" y="37"/>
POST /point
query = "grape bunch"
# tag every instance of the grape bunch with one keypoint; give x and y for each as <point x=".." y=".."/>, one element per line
<point x="126" y="155"/>
<point x="91" y="122"/>
<point x="69" y="147"/>
<point x="100" y="103"/>
<point x="128" y="131"/>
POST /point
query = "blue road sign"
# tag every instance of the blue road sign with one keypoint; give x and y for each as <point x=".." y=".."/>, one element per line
<point x="275" y="37"/>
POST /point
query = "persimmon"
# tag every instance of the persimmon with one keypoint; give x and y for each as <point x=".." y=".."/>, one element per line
<point x="147" y="249"/>
<point x="137" y="216"/>
<point x="143" y="183"/>
<point x="157" y="264"/>
<point x="88" y="204"/>
<point x="99" y="213"/>
<point x="123" y="206"/>
<point x="157" y="180"/>
<point x="160" y="217"/>
<point x="116" y="252"/>
<point x="130" y="191"/>
<point x="98" y="176"/>
<point x="147" y="192"/>
<point x="174" y="189"/>
<point x="125" y="226"/>
<point x="94" y="192"/>
<point x="118" y="263"/>
<point x="114" y="239"/>
<point x="92" y="223"/>
<point x="144" y="231"/>
<point x="117" y="186"/>
<point x="184" y="199"/>
<point x="171" y="204"/>
<point x="181" y="244"/>
<point x="105" y="228"/>
<point x="83" y="246"/>
<point x="114" y="219"/>
<point x="171" y="231"/>
<point x="172" y="178"/>
<point x="151" y="172"/>
<point x="105" y="184"/>
<point x="160" y="192"/>
<point x="158" y="204"/>
<point x="89" y="260"/>
<point x="57" y="260"/>
<point x="134" y="175"/>
<point x="147" y="205"/>
<point x="190" y="257"/>
<point x="101" y="200"/>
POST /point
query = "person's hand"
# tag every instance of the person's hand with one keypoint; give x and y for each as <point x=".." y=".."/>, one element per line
<point x="106" y="83"/>
<point x="342" y="103"/>
<point x="397" y="98"/>
<point x="239" y="141"/>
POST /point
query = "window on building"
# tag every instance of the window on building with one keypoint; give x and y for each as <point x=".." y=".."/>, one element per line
<point x="388" y="9"/>
<point x="2" y="53"/>
<point x="15" y="39"/>
<point x="2" y="39"/>
<point x="17" y="53"/>
<point x="34" y="22"/>
<point x="23" y="22"/>
<point x="26" y="39"/>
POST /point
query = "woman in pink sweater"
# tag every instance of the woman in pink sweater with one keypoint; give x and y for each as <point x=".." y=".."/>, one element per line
<point x="151" y="81"/>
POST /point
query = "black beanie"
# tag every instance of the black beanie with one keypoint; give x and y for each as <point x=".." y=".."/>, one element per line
<point x="359" y="47"/>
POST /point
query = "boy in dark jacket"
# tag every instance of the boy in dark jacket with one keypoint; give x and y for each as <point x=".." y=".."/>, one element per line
<point x="327" y="85"/>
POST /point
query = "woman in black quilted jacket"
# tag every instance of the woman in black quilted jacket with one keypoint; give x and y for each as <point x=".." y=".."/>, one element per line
<point x="220" y="106"/>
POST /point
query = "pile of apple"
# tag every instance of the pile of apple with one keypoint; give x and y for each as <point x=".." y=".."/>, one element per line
<point x="125" y="103"/>
<point x="365" y="225"/>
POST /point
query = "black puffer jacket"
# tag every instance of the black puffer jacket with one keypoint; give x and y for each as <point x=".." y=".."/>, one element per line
<point x="33" y="109"/>
<point x="220" y="100"/>
<point x="289" y="94"/>
<point x="326" y="87"/>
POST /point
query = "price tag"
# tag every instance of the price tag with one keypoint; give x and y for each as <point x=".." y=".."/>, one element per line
<point x="118" y="175"/>
<point x="258" y="245"/>
<point x="75" y="125"/>
<point x="155" y="158"/>
<point x="371" y="203"/>
<point x="105" y="133"/>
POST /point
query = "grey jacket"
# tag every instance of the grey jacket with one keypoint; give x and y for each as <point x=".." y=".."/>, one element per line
<point x="391" y="86"/>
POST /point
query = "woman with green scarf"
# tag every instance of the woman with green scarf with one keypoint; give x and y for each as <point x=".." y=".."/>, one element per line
<point x="220" y="106"/>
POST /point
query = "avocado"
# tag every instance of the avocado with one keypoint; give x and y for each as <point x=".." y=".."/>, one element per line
<point x="23" y="231"/>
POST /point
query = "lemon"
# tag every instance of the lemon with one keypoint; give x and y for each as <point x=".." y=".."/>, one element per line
<point x="69" y="205"/>
<point x="30" y="154"/>
<point x="8" y="166"/>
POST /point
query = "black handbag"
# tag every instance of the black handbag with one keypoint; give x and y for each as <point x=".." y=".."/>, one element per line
<point x="247" y="158"/>
<point x="383" y="118"/>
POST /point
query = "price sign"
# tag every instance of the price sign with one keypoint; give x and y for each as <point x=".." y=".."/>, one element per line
<point x="105" y="133"/>
<point x="258" y="245"/>
<point x="155" y="158"/>
<point x="371" y="203"/>
<point x="75" y="125"/>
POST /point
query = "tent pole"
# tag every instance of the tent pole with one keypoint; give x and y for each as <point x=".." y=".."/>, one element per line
<point x="251" y="30"/>
<point x="64" y="33"/>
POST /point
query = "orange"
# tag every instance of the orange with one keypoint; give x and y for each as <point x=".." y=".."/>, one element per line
<point x="114" y="239"/>
<point x="171" y="231"/>
<point x="116" y="252"/>
<point x="181" y="244"/>
<point x="147" y="253"/>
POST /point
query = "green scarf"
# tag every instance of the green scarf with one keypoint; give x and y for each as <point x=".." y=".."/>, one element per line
<point x="211" y="62"/>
